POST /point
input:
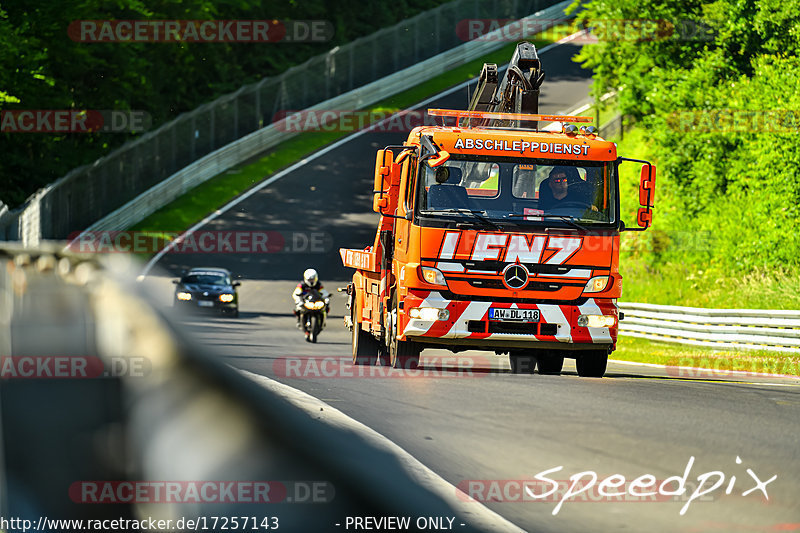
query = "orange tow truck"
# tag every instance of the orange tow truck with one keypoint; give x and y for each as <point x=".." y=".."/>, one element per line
<point x="495" y="235"/>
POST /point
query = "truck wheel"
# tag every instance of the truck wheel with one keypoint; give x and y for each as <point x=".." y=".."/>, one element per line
<point x="365" y="346"/>
<point x="550" y="364"/>
<point x="402" y="354"/>
<point x="592" y="364"/>
<point x="522" y="362"/>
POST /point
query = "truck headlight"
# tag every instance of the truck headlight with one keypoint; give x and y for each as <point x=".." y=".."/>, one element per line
<point x="596" y="284"/>
<point x="597" y="321"/>
<point x="184" y="296"/>
<point x="429" y="313"/>
<point x="226" y="298"/>
<point x="432" y="275"/>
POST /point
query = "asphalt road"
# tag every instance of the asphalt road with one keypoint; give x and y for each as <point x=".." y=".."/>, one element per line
<point x="470" y="420"/>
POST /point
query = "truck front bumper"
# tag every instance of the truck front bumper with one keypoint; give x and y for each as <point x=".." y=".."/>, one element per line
<point x="468" y="323"/>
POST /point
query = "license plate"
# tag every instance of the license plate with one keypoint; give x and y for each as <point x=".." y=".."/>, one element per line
<point x="517" y="315"/>
<point x="205" y="303"/>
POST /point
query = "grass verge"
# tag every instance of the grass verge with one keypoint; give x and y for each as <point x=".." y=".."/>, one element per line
<point x="720" y="361"/>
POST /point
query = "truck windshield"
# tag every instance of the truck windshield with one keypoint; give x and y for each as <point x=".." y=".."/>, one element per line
<point x="536" y="191"/>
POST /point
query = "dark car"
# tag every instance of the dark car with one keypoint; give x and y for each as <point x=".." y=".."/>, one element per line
<point x="208" y="288"/>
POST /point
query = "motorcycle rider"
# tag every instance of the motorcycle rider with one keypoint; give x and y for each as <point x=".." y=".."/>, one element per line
<point x="310" y="282"/>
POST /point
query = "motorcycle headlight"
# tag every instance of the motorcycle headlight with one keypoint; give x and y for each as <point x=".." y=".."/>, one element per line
<point x="319" y="305"/>
<point x="184" y="296"/>
<point x="226" y="298"/>
<point x="309" y="305"/>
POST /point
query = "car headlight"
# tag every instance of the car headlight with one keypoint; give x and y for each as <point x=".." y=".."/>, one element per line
<point x="226" y="298"/>
<point x="597" y="321"/>
<point x="432" y="275"/>
<point x="184" y="296"/>
<point x="596" y="284"/>
<point x="429" y="313"/>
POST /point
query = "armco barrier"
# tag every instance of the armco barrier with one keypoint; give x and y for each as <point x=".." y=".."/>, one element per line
<point x="745" y="329"/>
<point x="347" y="77"/>
<point x="183" y="418"/>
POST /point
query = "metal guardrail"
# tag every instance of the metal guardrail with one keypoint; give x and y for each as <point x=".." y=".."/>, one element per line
<point x="119" y="391"/>
<point x="742" y="329"/>
<point x="179" y="149"/>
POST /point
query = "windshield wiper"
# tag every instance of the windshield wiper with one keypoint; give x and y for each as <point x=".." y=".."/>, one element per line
<point x="564" y="218"/>
<point x="479" y="214"/>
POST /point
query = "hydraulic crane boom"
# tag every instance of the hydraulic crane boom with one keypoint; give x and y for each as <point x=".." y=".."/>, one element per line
<point x="517" y="93"/>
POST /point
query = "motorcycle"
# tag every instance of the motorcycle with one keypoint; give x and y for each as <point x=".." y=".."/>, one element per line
<point x="313" y="313"/>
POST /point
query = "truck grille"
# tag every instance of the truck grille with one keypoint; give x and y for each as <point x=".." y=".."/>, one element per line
<point x="479" y="326"/>
<point x="531" y="286"/>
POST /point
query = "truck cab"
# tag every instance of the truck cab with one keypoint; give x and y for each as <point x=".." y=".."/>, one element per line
<point x="495" y="235"/>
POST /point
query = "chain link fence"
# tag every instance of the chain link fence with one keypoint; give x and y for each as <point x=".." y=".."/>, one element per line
<point x="91" y="192"/>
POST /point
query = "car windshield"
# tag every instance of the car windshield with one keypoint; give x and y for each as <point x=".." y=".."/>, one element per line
<point x="538" y="191"/>
<point x="206" y="279"/>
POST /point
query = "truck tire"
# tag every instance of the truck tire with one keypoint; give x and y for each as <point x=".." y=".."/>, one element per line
<point x="550" y="364"/>
<point x="365" y="346"/>
<point x="592" y="364"/>
<point x="522" y="362"/>
<point x="402" y="354"/>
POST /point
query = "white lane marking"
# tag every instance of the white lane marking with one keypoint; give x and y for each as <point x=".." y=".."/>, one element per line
<point x="721" y="372"/>
<point x="479" y="516"/>
<point x="150" y="264"/>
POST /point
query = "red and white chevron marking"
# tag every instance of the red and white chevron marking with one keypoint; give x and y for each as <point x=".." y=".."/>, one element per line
<point x="461" y="312"/>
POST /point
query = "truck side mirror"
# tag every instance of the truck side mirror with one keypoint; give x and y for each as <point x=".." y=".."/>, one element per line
<point x="440" y="157"/>
<point x="647" y="186"/>
<point x="647" y="191"/>
<point x="387" y="174"/>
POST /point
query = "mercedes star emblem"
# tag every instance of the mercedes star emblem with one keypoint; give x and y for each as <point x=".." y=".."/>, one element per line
<point x="515" y="276"/>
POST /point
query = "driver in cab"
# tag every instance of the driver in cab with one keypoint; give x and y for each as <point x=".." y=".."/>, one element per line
<point x="564" y="188"/>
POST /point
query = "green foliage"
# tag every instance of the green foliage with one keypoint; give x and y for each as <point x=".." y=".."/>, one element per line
<point x="42" y="68"/>
<point x="728" y="187"/>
